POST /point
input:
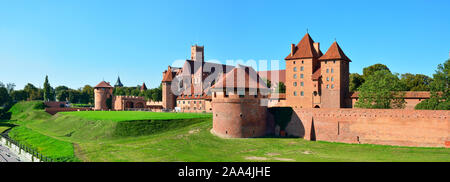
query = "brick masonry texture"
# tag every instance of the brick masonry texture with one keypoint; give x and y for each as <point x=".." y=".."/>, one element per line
<point x="420" y="128"/>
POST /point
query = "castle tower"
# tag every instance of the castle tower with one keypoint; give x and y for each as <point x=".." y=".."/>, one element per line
<point x="103" y="96"/>
<point x="301" y="64"/>
<point x="198" y="53"/>
<point x="168" y="98"/>
<point x="238" y="111"/>
<point x="335" y="78"/>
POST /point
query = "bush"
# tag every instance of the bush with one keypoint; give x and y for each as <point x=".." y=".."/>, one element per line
<point x="39" y="106"/>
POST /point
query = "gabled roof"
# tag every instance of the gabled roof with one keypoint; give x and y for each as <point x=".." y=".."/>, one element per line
<point x="168" y="76"/>
<point x="103" y="84"/>
<point x="241" y="77"/>
<point x="304" y="49"/>
<point x="334" y="53"/>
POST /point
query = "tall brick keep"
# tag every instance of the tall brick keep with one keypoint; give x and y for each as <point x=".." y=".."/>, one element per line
<point x="301" y="64"/>
<point x="238" y="111"/>
<point x="168" y="98"/>
<point x="335" y="78"/>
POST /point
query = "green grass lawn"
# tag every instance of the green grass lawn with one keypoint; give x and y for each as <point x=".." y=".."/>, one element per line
<point x="97" y="136"/>
<point x="56" y="149"/>
<point x="134" y="115"/>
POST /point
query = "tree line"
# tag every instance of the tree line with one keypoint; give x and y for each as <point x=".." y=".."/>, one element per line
<point x="154" y="94"/>
<point x="84" y="95"/>
<point x="378" y="87"/>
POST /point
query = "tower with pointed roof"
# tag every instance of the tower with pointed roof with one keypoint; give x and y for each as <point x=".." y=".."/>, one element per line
<point x="301" y="64"/>
<point x="118" y="82"/>
<point x="335" y="78"/>
<point x="238" y="104"/>
<point x="168" y="98"/>
<point x="103" y="96"/>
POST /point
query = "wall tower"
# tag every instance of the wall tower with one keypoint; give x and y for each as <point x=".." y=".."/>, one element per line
<point x="238" y="111"/>
<point x="103" y="96"/>
<point x="168" y="98"/>
<point x="301" y="64"/>
<point x="335" y="78"/>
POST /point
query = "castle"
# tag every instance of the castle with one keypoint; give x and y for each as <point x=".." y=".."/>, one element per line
<point x="317" y="90"/>
<point x="105" y="100"/>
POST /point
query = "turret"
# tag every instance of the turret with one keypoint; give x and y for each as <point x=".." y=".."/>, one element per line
<point x="103" y="96"/>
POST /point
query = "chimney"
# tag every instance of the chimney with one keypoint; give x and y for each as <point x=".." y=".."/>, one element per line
<point x="292" y="49"/>
<point x="317" y="47"/>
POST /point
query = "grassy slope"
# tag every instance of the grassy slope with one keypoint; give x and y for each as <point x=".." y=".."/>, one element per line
<point x="48" y="146"/>
<point x="196" y="143"/>
<point x="97" y="140"/>
<point x="134" y="115"/>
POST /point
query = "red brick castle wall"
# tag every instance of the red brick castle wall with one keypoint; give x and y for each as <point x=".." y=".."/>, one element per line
<point x="422" y="128"/>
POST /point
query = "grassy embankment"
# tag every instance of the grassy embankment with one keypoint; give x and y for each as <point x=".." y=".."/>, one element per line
<point x="116" y="136"/>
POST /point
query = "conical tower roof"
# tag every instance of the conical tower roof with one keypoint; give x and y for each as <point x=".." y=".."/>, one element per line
<point x="334" y="53"/>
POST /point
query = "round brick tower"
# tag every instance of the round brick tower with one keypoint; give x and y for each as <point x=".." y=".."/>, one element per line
<point x="103" y="96"/>
<point x="238" y="105"/>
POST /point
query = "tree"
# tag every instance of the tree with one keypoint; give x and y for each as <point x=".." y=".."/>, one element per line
<point x="19" y="95"/>
<point x="74" y="96"/>
<point x="356" y="80"/>
<point x="381" y="90"/>
<point x="48" y="90"/>
<point x="5" y="99"/>
<point x="87" y="95"/>
<point x="440" y="92"/>
<point x="62" y="93"/>
<point x="33" y="92"/>
<point x="10" y="87"/>
<point x="370" y="70"/>
<point x="281" y="88"/>
<point x="416" y="82"/>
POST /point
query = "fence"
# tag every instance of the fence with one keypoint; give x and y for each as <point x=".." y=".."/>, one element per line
<point x="34" y="153"/>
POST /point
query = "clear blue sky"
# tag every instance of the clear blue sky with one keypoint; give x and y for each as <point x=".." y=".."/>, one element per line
<point x="83" y="42"/>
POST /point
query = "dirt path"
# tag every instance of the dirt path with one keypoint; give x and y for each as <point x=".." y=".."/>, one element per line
<point x="78" y="152"/>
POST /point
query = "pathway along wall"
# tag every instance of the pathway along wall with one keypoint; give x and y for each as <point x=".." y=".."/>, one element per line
<point x="421" y="128"/>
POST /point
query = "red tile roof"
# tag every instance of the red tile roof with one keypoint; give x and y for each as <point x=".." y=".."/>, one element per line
<point x="304" y="49"/>
<point x="334" y="52"/>
<point x="103" y="84"/>
<point x="316" y="75"/>
<point x="168" y="76"/>
<point x="241" y="77"/>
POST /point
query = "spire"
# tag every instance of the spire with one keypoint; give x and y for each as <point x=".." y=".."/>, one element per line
<point x="335" y="52"/>
<point x="143" y="87"/>
<point x="304" y="49"/>
<point x="118" y="82"/>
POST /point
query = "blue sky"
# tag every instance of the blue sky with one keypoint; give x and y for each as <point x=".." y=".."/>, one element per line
<point x="83" y="42"/>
